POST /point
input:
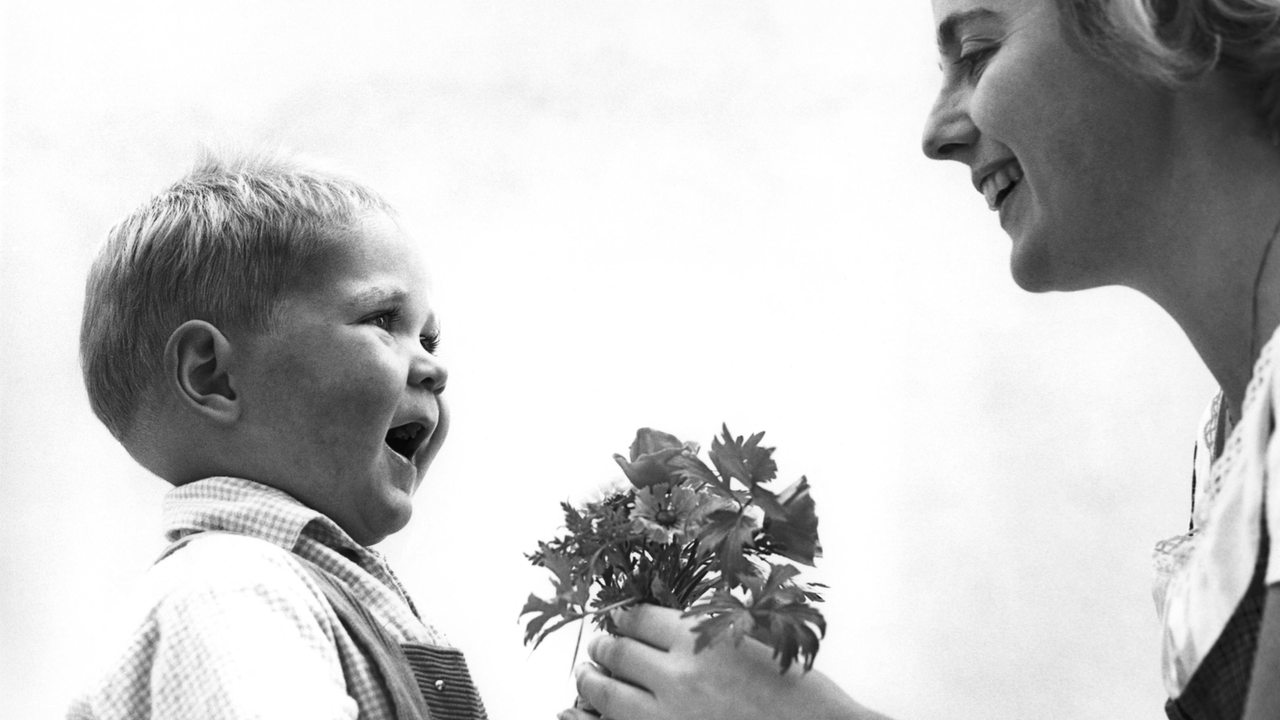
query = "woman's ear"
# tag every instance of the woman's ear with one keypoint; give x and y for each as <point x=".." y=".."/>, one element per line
<point x="196" y="371"/>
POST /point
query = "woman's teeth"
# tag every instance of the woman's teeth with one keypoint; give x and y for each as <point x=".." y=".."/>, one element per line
<point x="998" y="183"/>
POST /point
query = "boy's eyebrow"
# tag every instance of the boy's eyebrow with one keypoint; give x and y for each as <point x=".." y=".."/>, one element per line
<point x="377" y="295"/>
<point x="948" y="27"/>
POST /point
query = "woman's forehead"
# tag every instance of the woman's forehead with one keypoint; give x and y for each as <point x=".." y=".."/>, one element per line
<point x="957" y="9"/>
<point x="953" y="18"/>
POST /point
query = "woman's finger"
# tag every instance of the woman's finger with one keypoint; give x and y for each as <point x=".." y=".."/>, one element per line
<point x="612" y="697"/>
<point x="626" y="659"/>
<point x="659" y="627"/>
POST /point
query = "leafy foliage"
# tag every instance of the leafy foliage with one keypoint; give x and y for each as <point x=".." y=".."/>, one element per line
<point x="707" y="540"/>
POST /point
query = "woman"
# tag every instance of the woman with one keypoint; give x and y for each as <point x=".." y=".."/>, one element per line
<point x="1121" y="142"/>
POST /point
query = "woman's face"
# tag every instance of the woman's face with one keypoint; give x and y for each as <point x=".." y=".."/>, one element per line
<point x="1068" y="150"/>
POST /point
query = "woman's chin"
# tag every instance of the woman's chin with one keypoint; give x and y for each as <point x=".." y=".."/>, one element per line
<point x="1037" y="270"/>
<point x="1031" y="271"/>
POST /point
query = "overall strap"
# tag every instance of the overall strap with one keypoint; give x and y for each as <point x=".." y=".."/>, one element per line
<point x="181" y="542"/>
<point x="378" y="645"/>
<point x="445" y="682"/>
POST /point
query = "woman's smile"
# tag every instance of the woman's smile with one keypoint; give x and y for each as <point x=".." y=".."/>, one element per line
<point x="1080" y="176"/>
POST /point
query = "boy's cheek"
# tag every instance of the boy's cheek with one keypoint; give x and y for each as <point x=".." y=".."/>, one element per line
<point x="442" y="426"/>
<point x="332" y="406"/>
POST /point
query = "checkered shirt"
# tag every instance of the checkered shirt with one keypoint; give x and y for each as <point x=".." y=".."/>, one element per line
<point x="232" y="625"/>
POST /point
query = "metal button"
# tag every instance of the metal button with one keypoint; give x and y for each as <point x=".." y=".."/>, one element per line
<point x="439" y="685"/>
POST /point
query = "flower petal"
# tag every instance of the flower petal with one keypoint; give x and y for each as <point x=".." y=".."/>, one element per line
<point x="649" y="469"/>
<point x="649" y="441"/>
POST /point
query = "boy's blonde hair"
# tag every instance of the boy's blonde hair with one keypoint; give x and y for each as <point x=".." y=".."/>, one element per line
<point x="221" y="245"/>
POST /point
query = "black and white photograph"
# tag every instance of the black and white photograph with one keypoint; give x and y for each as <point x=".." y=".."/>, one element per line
<point x="588" y="359"/>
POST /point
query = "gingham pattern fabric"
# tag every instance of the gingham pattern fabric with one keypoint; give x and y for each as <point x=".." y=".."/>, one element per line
<point x="232" y="626"/>
<point x="1211" y="581"/>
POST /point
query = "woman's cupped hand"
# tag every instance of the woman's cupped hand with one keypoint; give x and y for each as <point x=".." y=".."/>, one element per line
<point x="649" y="670"/>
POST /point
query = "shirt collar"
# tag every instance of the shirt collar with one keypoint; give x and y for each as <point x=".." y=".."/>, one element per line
<point x="249" y="508"/>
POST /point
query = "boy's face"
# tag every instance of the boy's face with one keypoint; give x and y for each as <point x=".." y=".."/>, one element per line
<point x="341" y="404"/>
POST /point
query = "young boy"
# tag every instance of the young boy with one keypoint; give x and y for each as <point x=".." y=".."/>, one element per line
<point x="259" y="335"/>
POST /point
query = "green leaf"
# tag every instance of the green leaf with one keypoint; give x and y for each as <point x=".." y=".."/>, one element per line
<point x="793" y="533"/>
<point x="767" y="501"/>
<point x="569" y="587"/>
<point x="662" y="592"/>
<point x="545" y="611"/>
<point x="746" y="461"/>
<point x="688" y="468"/>
<point x="726" y="534"/>
<point x="726" y="616"/>
<point x="788" y="630"/>
<point x="574" y="521"/>
<point x="777" y="615"/>
<point x="778" y="580"/>
<point x="783" y="618"/>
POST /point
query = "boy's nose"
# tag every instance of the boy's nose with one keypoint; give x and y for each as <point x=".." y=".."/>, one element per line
<point x="428" y="371"/>
<point x="948" y="130"/>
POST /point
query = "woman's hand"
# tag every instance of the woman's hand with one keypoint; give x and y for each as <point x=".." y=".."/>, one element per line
<point x="651" y="672"/>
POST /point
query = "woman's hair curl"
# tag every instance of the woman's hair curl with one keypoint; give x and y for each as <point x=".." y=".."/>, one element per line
<point x="1177" y="41"/>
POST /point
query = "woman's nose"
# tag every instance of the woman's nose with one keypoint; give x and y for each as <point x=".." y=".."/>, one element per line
<point x="949" y="132"/>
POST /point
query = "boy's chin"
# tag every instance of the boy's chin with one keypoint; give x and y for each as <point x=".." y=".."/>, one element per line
<point x="391" y="519"/>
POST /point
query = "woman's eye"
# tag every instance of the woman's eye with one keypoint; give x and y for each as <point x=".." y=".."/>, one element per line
<point x="430" y="343"/>
<point x="974" y="61"/>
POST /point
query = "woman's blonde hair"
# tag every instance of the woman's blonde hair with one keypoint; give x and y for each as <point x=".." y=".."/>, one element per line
<point x="222" y="245"/>
<point x="1177" y="41"/>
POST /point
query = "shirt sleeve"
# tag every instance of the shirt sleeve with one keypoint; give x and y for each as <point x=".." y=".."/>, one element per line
<point x="228" y="633"/>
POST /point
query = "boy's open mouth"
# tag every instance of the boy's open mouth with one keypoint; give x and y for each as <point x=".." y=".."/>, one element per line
<point x="406" y="439"/>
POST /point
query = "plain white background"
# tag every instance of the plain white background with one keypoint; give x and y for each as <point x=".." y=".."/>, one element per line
<point x="666" y="214"/>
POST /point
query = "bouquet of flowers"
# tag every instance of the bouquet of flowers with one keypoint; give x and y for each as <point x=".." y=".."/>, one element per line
<point x="705" y="539"/>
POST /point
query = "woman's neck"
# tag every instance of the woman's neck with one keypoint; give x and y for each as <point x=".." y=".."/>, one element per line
<point x="1215" y="271"/>
<point x="1229" y="324"/>
<point x="1223" y="287"/>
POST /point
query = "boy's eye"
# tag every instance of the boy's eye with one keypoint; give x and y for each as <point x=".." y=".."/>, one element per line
<point x="430" y="343"/>
<point x="385" y="320"/>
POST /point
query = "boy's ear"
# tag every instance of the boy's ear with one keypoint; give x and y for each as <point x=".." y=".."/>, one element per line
<point x="196" y="371"/>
